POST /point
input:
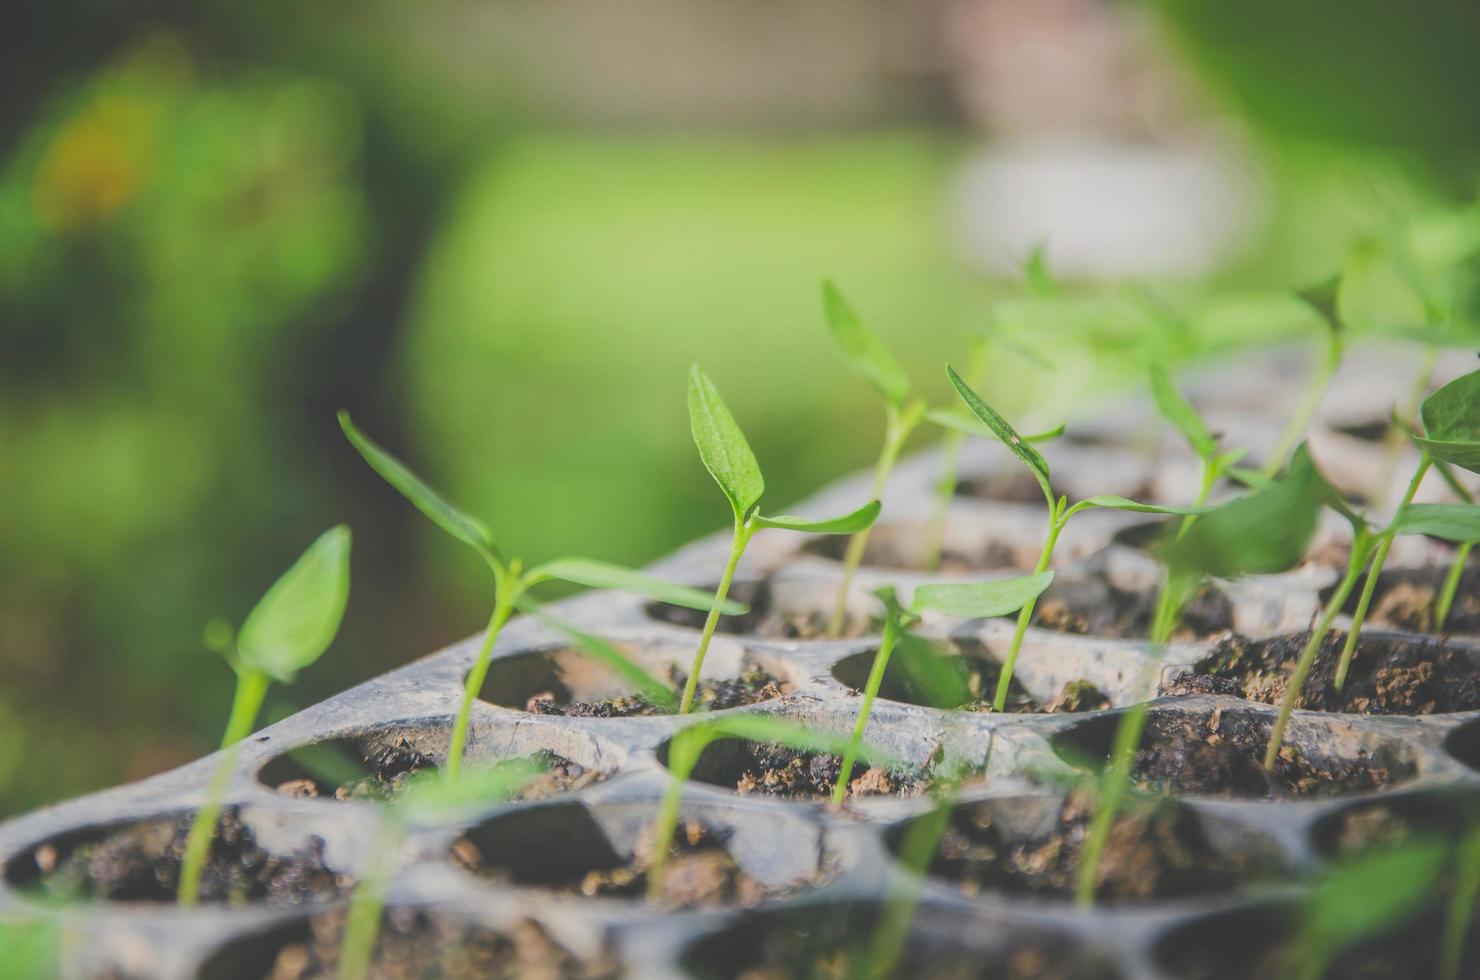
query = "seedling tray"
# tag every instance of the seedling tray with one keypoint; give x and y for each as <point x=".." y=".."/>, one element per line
<point x="500" y="886"/>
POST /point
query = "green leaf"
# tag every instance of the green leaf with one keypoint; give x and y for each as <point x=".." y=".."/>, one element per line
<point x="615" y="660"/>
<point x="1371" y="893"/>
<point x="1451" y="422"/>
<point x="1266" y="530"/>
<point x="722" y="445"/>
<point x="935" y="678"/>
<point x="865" y="355"/>
<point x="1048" y="435"/>
<point x="859" y="520"/>
<point x="981" y="599"/>
<point x="294" y="623"/>
<point x="969" y="425"/>
<point x="463" y="527"/>
<point x="1179" y="412"/>
<point x="1004" y="432"/>
<point x="30" y="947"/>
<point x="604" y="575"/>
<point x="1037" y="280"/>
<point x="1110" y="501"/>
<point x="430" y="794"/>
<point x="1459" y="523"/>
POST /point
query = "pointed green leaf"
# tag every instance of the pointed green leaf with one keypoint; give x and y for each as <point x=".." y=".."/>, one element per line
<point x="615" y="660"/>
<point x="464" y="527"/>
<point x="1459" y="523"/>
<point x="722" y="445"/>
<point x="1370" y="892"/>
<point x="969" y="425"/>
<point x="1451" y="422"/>
<point x="1004" y="432"/>
<point x="296" y="620"/>
<point x="859" y="520"/>
<point x="1110" y="501"/>
<point x="972" y="600"/>
<point x="865" y="355"/>
<point x="1266" y="530"/>
<point x="604" y="575"/>
<point x="1177" y="410"/>
<point x="935" y="677"/>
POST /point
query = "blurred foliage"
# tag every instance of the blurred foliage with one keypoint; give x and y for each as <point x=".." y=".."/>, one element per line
<point x="214" y="235"/>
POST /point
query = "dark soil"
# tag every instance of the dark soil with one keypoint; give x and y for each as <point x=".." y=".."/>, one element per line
<point x="1127" y="615"/>
<point x="390" y="769"/>
<point x="763" y="620"/>
<point x="699" y="874"/>
<point x="1076" y="697"/>
<point x="1222" y="755"/>
<point x="1404" y="600"/>
<point x="1153" y="852"/>
<point x="413" y="944"/>
<point x="906" y="552"/>
<point x="775" y="770"/>
<point x="141" y="863"/>
<point x="751" y="687"/>
<point x="1388" y="676"/>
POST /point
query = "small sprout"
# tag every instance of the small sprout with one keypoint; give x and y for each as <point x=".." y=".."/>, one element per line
<point x="1451" y="437"/>
<point x="686" y="747"/>
<point x="1321" y="298"/>
<point x="1059" y="512"/>
<point x="965" y="601"/>
<point x="728" y="458"/>
<point x="511" y="580"/>
<point x="289" y="628"/>
<point x="866" y="356"/>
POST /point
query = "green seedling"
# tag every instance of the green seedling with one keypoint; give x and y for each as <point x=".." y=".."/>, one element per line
<point x="1059" y="513"/>
<point x="427" y="798"/>
<point x="289" y="628"/>
<point x="512" y="581"/>
<point x="688" y="745"/>
<point x="1444" y="601"/>
<point x="1322" y="299"/>
<point x="1362" y="897"/>
<point x="1266" y="530"/>
<point x="728" y="458"/>
<point x="866" y="356"/>
<point x="965" y="601"/>
<point x="1451" y="422"/>
<point x="950" y="458"/>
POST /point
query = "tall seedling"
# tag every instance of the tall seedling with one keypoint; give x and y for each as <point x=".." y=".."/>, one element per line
<point x="1451" y="422"/>
<point x="727" y="456"/>
<point x="1323" y="300"/>
<point x="289" y="628"/>
<point x="866" y="356"/>
<point x="1059" y="513"/>
<point x="511" y="580"/>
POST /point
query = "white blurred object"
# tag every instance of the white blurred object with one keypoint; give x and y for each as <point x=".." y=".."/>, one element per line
<point x="1103" y="209"/>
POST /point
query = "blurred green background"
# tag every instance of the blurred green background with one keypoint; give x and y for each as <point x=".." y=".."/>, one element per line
<point x="499" y="233"/>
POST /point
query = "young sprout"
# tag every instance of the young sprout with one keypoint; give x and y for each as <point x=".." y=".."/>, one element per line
<point x="1361" y="897"/>
<point x="512" y="581"/>
<point x="686" y="747"/>
<point x="1266" y="530"/>
<point x="289" y="628"/>
<point x="965" y="601"/>
<point x="727" y="456"/>
<point x="1178" y="411"/>
<point x="866" y="356"/>
<point x="1059" y="513"/>
<point x="1451" y="421"/>
<point x="1322" y="299"/>
<point x="950" y="458"/>
<point x="427" y="797"/>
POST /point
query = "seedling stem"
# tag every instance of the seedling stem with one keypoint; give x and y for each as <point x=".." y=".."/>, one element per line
<point x="892" y="628"/>
<point x="744" y="528"/>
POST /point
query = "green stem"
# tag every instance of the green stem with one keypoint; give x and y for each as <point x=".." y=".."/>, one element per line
<point x="251" y="688"/>
<point x="503" y="607"/>
<point x="1025" y="615"/>
<point x="1461" y="906"/>
<point x="1168" y="603"/>
<point x="683" y="754"/>
<point x="1379" y="558"/>
<point x="1360" y="545"/>
<point x="362" y="922"/>
<point x="919" y="846"/>
<point x="870" y="691"/>
<point x="896" y="430"/>
<point x="743" y="531"/>
<point x="1114" y="783"/>
<point x="1451" y="585"/>
<point x="1395" y="438"/>
<point x="1309" y="405"/>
